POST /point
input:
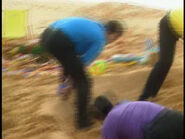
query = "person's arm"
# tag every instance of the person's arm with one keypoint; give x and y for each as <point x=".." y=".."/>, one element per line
<point x="28" y="50"/>
<point x="93" y="52"/>
<point x="37" y="50"/>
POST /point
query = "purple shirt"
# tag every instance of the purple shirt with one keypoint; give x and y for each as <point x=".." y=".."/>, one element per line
<point x="127" y="120"/>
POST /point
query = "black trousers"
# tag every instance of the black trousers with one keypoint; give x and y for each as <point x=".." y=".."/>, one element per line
<point x="61" y="47"/>
<point x="167" y="43"/>
<point x="168" y="124"/>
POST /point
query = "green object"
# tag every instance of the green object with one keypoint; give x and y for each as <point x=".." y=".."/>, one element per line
<point x="98" y="67"/>
<point x="37" y="50"/>
<point x="23" y="49"/>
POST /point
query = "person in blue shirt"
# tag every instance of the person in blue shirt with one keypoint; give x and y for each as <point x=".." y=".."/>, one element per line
<point x="75" y="42"/>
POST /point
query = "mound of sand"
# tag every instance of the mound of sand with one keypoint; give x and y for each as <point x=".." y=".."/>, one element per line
<point x="31" y="107"/>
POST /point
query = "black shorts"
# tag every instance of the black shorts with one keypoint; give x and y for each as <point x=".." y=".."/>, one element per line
<point x="63" y="49"/>
<point x="168" y="124"/>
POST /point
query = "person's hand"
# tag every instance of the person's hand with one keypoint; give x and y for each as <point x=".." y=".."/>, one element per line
<point x="64" y="89"/>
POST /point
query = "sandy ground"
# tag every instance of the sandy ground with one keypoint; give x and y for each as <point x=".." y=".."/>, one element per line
<point x="32" y="109"/>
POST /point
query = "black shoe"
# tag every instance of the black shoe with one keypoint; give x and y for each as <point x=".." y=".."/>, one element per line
<point x="84" y="125"/>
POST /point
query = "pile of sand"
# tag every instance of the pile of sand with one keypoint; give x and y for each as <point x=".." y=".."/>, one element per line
<point x="32" y="109"/>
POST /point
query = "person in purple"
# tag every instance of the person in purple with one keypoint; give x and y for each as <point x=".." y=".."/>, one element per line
<point x="138" y="120"/>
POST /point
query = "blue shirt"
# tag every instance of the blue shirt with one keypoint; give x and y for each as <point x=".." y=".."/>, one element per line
<point x="87" y="35"/>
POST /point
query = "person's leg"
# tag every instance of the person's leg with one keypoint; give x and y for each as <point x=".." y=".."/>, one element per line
<point x="46" y="38"/>
<point x="167" y="43"/>
<point x="168" y="124"/>
<point x="63" y="49"/>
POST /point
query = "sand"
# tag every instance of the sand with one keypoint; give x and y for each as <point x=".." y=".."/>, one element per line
<point x="32" y="109"/>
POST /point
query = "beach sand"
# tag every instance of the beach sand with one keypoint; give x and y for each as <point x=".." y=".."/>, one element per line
<point x="31" y="109"/>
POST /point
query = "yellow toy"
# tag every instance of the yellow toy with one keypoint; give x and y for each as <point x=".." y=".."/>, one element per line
<point x="98" y="67"/>
<point x="14" y="23"/>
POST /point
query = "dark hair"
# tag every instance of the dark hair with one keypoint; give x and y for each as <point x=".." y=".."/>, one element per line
<point x="114" y="26"/>
<point x="103" y="105"/>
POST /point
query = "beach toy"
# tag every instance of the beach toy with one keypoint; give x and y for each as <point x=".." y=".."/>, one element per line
<point x="14" y="51"/>
<point x="149" y="49"/>
<point x="129" y="63"/>
<point x="23" y="49"/>
<point x="36" y="50"/>
<point x="14" y="23"/>
<point x="150" y="46"/>
<point x="111" y="65"/>
<point x="98" y="67"/>
<point x="125" y="58"/>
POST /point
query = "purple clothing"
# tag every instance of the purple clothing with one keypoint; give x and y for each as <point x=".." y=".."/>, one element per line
<point x="127" y="120"/>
